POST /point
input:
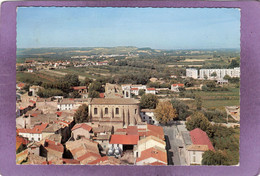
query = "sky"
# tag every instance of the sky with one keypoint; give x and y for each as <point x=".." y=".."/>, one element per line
<point x="158" y="28"/>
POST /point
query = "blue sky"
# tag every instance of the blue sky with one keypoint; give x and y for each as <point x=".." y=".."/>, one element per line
<point x="158" y="28"/>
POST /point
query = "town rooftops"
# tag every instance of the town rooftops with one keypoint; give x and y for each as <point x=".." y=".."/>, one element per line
<point x="124" y="139"/>
<point x="199" y="137"/>
<point x="37" y="129"/>
<point x="83" y="126"/>
<point x="51" y="145"/>
<point x="156" y="131"/>
<point x="144" y="140"/>
<point x="106" y="160"/>
<point x="113" y="101"/>
<point x="67" y="101"/>
<point x="179" y="85"/>
<point x="153" y="152"/>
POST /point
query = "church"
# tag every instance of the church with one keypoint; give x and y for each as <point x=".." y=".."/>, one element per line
<point x="116" y="112"/>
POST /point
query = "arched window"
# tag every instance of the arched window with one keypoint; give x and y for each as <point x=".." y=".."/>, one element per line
<point x="127" y="95"/>
<point x="106" y="110"/>
<point x="95" y="110"/>
<point x="117" y="110"/>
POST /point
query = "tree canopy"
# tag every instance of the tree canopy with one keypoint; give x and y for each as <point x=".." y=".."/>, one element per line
<point x="214" y="158"/>
<point x="182" y="109"/>
<point x="148" y="101"/>
<point x="81" y="115"/>
<point x="164" y="112"/>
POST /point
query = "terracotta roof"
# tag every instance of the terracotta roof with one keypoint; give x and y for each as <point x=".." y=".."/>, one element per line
<point x="150" y="89"/>
<point x="113" y="101"/>
<point x="37" y="129"/>
<point x="87" y="155"/>
<point x="22" y="140"/>
<point x="53" y="145"/>
<point x="144" y="140"/>
<point x="180" y="85"/>
<point x="199" y="137"/>
<point x="106" y="160"/>
<point x="134" y="89"/>
<point x="101" y="95"/>
<point x="153" y="152"/>
<point x="124" y="139"/>
<point x="59" y="113"/>
<point x="79" y="87"/>
<point x="18" y="144"/>
<point x="21" y="85"/>
<point x="82" y="125"/>
<point x="156" y="131"/>
<point x="157" y="163"/>
<point x="70" y="161"/>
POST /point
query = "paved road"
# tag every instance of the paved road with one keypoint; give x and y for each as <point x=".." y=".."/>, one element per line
<point x="172" y="149"/>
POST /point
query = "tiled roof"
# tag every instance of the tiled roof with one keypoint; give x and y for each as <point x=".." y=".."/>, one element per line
<point x="149" y="89"/>
<point x="101" y="95"/>
<point x="157" y="163"/>
<point x="144" y="140"/>
<point x="106" y="160"/>
<point x="180" y="85"/>
<point x="53" y="145"/>
<point x="21" y="85"/>
<point x="79" y="87"/>
<point x="153" y="152"/>
<point x="199" y="137"/>
<point x="37" y="129"/>
<point x="82" y="125"/>
<point x="113" y="101"/>
<point x="87" y="155"/>
<point x="156" y="131"/>
<point x="134" y="89"/>
<point x="124" y="139"/>
<point x="22" y="140"/>
<point x="70" y="161"/>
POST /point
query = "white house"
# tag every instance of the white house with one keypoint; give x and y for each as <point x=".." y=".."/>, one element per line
<point x="148" y="116"/>
<point x="34" y="134"/>
<point x="175" y="87"/>
<point x="66" y="104"/>
<point x="192" y="73"/>
<point x="34" y="90"/>
<point x="150" y="90"/>
<point x="135" y="91"/>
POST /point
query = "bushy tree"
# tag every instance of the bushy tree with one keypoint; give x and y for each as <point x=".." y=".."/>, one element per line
<point x="149" y="101"/>
<point x="95" y="86"/>
<point x="94" y="94"/>
<point x="198" y="120"/>
<point x="46" y="93"/>
<point x="71" y="80"/>
<point x="164" y="112"/>
<point x="81" y="115"/>
<point x="198" y="102"/>
<point x="214" y="158"/>
<point x="141" y="92"/>
<point x="214" y="74"/>
<point x="182" y="109"/>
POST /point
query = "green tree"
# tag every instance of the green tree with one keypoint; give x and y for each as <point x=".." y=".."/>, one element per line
<point x="164" y="112"/>
<point x="214" y="158"/>
<point x="227" y="77"/>
<point x="95" y="86"/>
<point x="81" y="115"/>
<point x="198" y="120"/>
<point x="93" y="94"/>
<point x="182" y="109"/>
<point x="46" y="93"/>
<point x="198" y="102"/>
<point x="234" y="63"/>
<point x="71" y="80"/>
<point x="87" y="81"/>
<point x="149" y="101"/>
<point x="214" y="74"/>
<point x="141" y="92"/>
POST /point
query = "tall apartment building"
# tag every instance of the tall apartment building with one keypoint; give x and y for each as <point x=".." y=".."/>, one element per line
<point x="192" y="73"/>
<point x="220" y="73"/>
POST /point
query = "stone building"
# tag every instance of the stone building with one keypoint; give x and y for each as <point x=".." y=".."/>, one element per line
<point x="118" y="112"/>
<point x="113" y="91"/>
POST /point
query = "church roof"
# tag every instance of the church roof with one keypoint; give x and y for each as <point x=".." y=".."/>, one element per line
<point x="113" y="101"/>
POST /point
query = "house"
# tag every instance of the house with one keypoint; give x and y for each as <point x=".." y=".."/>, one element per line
<point x="134" y="91"/>
<point x="66" y="104"/>
<point x="80" y="89"/>
<point x="119" y="143"/>
<point x="175" y="87"/>
<point x="150" y="91"/>
<point x="21" y="144"/>
<point x="34" y="134"/>
<point x="20" y="86"/>
<point x="34" y="90"/>
<point x="113" y="91"/>
<point x="148" y="116"/>
<point x="30" y="70"/>
<point x="88" y="158"/>
<point x="200" y="144"/>
<point x="106" y="160"/>
<point x="81" y="130"/>
<point x="152" y="156"/>
<point x="148" y="142"/>
<point x="116" y="112"/>
<point x="52" y="150"/>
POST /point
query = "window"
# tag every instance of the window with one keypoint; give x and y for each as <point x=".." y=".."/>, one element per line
<point x="194" y="159"/>
<point x="127" y="94"/>
<point x="39" y="139"/>
<point x="117" y="110"/>
<point x="135" y="111"/>
<point x="106" y="110"/>
<point x="95" y="110"/>
<point x="32" y="139"/>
